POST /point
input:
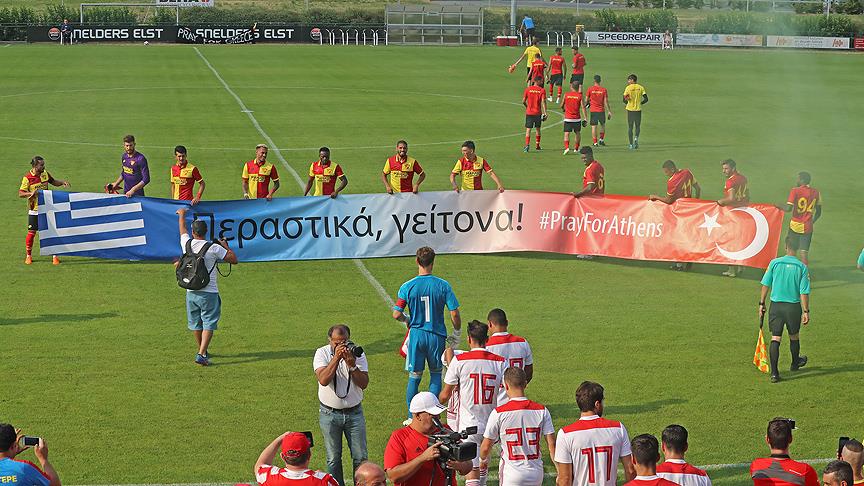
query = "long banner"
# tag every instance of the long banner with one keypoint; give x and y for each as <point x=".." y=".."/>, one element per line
<point x="382" y="225"/>
<point x="803" y="42"/>
<point x="655" y="38"/>
<point x="726" y="40"/>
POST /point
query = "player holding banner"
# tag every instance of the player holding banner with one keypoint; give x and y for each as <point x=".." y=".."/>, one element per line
<point x="36" y="179"/>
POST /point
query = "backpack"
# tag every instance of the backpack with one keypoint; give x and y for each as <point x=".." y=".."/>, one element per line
<point x="192" y="272"/>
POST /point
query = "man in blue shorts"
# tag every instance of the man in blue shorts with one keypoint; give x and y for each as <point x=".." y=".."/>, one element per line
<point x="426" y="295"/>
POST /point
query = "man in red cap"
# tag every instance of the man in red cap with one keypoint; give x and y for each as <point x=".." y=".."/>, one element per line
<point x="296" y="451"/>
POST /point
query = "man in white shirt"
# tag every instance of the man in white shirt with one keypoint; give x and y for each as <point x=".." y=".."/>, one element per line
<point x="478" y="374"/>
<point x="518" y="427"/>
<point x="342" y="376"/>
<point x="675" y="468"/>
<point x="204" y="306"/>
<point x="588" y="450"/>
<point x="514" y="349"/>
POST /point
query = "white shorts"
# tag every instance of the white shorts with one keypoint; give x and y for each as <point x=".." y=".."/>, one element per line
<point x="511" y="476"/>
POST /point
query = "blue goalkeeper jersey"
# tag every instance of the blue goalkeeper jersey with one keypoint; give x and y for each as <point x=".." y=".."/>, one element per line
<point x="426" y="296"/>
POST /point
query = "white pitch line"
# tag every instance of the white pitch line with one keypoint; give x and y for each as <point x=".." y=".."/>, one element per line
<point x="709" y="467"/>
<point x="363" y="270"/>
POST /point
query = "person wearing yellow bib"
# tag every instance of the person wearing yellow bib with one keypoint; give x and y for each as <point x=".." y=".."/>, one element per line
<point x="634" y="98"/>
<point x="530" y="55"/>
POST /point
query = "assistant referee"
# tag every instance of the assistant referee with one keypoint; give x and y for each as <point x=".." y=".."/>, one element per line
<point x="789" y="281"/>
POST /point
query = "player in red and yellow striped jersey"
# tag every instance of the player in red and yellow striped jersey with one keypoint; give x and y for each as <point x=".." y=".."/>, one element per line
<point x="681" y="183"/>
<point x="735" y="194"/>
<point x="323" y="174"/>
<point x="183" y="177"/>
<point x="534" y="99"/>
<point x="36" y="179"/>
<point x="257" y="174"/>
<point x="400" y="170"/>
<point x="805" y="203"/>
<point x="471" y="168"/>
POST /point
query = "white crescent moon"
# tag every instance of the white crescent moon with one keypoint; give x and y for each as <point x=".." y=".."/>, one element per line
<point x="758" y="242"/>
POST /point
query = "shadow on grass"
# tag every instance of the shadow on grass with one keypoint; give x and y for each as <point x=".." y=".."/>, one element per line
<point x="55" y="318"/>
<point x="570" y="411"/>
<point x="808" y="372"/>
<point x="382" y="346"/>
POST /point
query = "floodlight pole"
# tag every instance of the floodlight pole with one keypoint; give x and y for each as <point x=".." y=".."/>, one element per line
<point x="512" y="17"/>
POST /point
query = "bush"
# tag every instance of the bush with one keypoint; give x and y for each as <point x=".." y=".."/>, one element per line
<point x="656" y="20"/>
<point x="776" y="24"/>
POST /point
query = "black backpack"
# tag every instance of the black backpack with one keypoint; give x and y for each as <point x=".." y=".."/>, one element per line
<point x="192" y="272"/>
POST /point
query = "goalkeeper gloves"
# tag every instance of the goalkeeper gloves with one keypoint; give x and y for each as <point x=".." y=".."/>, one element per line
<point x="453" y="339"/>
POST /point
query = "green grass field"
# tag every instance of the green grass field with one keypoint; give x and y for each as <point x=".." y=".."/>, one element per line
<point x="95" y="355"/>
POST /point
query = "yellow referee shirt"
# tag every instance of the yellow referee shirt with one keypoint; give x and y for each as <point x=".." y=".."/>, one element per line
<point x="635" y="92"/>
<point x="530" y="54"/>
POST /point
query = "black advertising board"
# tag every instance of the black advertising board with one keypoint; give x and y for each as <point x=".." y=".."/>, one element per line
<point x="105" y="34"/>
<point x="198" y="34"/>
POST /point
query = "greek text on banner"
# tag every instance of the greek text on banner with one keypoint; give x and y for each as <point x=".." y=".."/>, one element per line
<point x="382" y="225"/>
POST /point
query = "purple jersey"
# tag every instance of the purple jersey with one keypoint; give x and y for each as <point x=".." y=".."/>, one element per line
<point x="134" y="171"/>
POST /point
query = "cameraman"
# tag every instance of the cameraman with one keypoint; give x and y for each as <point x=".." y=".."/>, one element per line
<point x="204" y="307"/>
<point x="409" y="459"/>
<point x="342" y="377"/>
<point x="18" y="472"/>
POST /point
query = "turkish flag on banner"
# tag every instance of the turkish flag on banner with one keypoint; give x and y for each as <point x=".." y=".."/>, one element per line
<point x="690" y="230"/>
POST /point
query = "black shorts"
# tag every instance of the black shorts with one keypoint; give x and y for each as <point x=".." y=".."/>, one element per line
<point x="634" y="117"/>
<point x="573" y="126"/>
<point x="529" y="33"/>
<point x="598" y="118"/>
<point x="533" y="121"/>
<point x="784" y="314"/>
<point x="32" y="222"/>
<point x="577" y="77"/>
<point x="798" y="241"/>
<point x="556" y="79"/>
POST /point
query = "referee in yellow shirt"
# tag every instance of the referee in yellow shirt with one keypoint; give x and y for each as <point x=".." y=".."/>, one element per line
<point x="634" y="98"/>
<point x="530" y="55"/>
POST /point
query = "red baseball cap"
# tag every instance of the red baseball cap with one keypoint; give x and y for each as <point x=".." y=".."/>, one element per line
<point x="295" y="444"/>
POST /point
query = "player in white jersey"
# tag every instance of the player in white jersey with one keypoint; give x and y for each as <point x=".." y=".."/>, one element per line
<point x="453" y="403"/>
<point x="513" y="348"/>
<point x="519" y="426"/>
<point x="675" y="468"/>
<point x="588" y="450"/>
<point x="478" y="374"/>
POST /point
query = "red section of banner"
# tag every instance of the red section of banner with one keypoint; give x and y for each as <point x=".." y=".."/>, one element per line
<point x="859" y="43"/>
<point x="689" y="230"/>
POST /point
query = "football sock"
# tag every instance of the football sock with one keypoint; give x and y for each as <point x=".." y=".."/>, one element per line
<point x="595" y="139"/>
<point x="411" y="390"/>
<point x="603" y="136"/>
<point x="28" y="242"/>
<point x="538" y="138"/>
<point x="551" y="89"/>
<point x="774" y="355"/>
<point x="795" y="347"/>
<point x="630" y="133"/>
<point x="527" y="139"/>
<point x="576" y="147"/>
<point x="484" y="474"/>
<point x="435" y="382"/>
<point x="566" y="144"/>
<point x="559" y="91"/>
<point x="472" y="482"/>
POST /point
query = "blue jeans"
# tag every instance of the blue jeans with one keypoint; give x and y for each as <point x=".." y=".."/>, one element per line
<point x="335" y="423"/>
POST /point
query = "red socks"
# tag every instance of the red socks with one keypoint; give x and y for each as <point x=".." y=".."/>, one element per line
<point x="28" y="242"/>
<point x="566" y="144"/>
<point x="559" y="91"/>
<point x="595" y="139"/>
<point x="538" y="139"/>
<point x="551" y="88"/>
<point x="527" y="139"/>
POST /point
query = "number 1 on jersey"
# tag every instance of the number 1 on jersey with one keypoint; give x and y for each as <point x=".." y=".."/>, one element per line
<point x="425" y="300"/>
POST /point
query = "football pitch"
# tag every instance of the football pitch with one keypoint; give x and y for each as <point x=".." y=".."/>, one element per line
<point x="95" y="355"/>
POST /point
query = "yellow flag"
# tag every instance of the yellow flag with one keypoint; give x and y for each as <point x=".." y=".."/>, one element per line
<point x="760" y="357"/>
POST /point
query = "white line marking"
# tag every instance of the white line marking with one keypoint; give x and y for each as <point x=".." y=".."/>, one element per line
<point x="363" y="270"/>
<point x="709" y="467"/>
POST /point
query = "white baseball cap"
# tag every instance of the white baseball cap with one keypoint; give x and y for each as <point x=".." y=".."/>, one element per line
<point x="426" y="402"/>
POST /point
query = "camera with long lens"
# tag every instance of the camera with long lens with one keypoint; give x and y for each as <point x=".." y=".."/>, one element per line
<point x="357" y="351"/>
<point x="452" y="448"/>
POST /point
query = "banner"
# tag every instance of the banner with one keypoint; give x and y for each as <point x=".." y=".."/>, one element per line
<point x="383" y="225"/>
<point x="799" y="42"/>
<point x="625" y="37"/>
<point x="727" y="40"/>
<point x="186" y="3"/>
<point x="37" y="33"/>
<point x="187" y="35"/>
<point x="859" y="43"/>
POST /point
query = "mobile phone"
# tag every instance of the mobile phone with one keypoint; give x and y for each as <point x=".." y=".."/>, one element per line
<point x="28" y="441"/>
<point x="841" y="444"/>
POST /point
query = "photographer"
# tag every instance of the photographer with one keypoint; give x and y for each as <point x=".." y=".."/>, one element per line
<point x="409" y="459"/>
<point x="18" y="472"/>
<point x="779" y="468"/>
<point x="343" y="374"/>
<point x="296" y="452"/>
<point x="204" y="306"/>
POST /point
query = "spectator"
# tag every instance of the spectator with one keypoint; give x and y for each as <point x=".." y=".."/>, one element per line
<point x="204" y="306"/>
<point x="409" y="459"/>
<point x="17" y="472"/>
<point x="134" y="173"/>
<point x="342" y="377"/>
<point x="512" y="348"/>
<point x="527" y="27"/>
<point x="853" y="453"/>
<point x="66" y="32"/>
<point x="369" y="474"/>
<point x="675" y="468"/>
<point x="606" y="440"/>
<point x="646" y="453"/>
<point x="779" y="469"/>
<point x="837" y="473"/>
<point x="296" y="452"/>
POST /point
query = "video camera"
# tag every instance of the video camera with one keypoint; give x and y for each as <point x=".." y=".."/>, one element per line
<point x="452" y="448"/>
